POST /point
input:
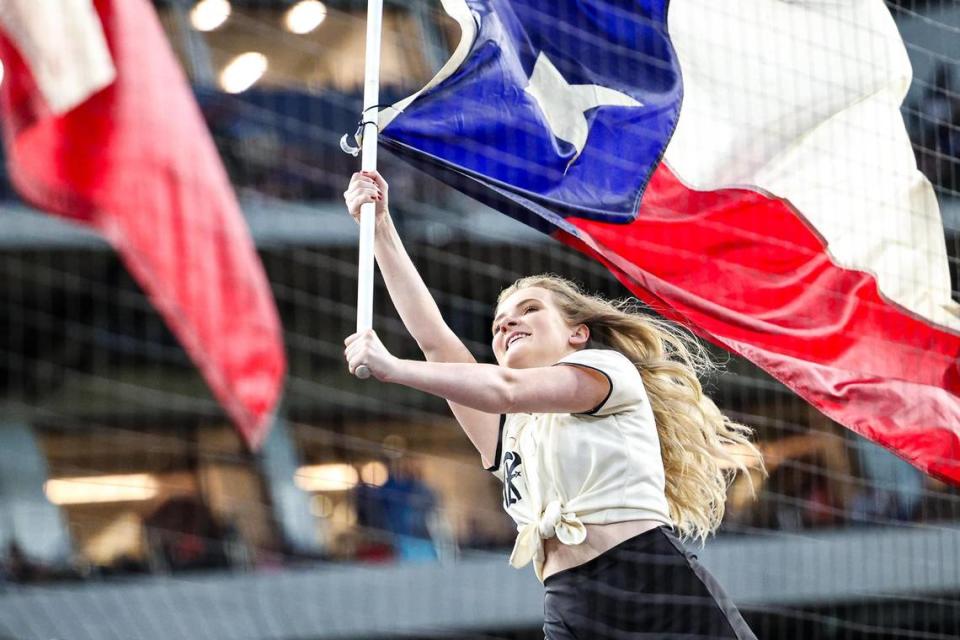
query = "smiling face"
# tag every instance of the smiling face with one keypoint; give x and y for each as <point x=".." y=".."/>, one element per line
<point x="530" y="331"/>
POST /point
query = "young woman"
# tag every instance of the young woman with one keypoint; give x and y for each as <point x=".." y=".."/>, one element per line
<point x="605" y="458"/>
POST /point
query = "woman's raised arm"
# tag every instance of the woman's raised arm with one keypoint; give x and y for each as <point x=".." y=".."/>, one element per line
<point x="409" y="293"/>
<point x="417" y="308"/>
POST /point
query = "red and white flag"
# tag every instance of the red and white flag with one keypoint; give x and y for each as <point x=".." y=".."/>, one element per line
<point x="789" y="223"/>
<point x="100" y="127"/>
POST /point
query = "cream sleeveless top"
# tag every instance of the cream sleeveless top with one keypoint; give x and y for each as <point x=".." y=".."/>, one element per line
<point x="561" y="471"/>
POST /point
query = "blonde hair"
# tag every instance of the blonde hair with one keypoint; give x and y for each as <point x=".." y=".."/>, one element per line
<point x="696" y="439"/>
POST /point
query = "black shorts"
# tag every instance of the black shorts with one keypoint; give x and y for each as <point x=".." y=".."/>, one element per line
<point x="645" y="588"/>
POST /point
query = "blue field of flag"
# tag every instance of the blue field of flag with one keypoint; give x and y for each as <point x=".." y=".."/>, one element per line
<point x="560" y="108"/>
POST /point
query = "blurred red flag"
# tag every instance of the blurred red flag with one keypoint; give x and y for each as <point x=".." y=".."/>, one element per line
<point x="100" y="126"/>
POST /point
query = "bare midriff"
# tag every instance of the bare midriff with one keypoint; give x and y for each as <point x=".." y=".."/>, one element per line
<point x="600" y="538"/>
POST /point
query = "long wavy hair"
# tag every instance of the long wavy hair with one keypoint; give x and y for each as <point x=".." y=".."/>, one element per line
<point x="701" y="448"/>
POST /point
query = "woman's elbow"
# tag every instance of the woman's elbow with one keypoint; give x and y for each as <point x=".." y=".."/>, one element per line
<point x="506" y="392"/>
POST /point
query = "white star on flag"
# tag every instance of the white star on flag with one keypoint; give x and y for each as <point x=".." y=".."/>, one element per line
<point x="564" y="105"/>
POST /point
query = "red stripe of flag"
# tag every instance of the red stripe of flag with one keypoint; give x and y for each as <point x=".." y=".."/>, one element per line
<point x="749" y="273"/>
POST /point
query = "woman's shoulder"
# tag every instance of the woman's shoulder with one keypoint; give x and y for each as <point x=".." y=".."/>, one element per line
<point x="598" y="356"/>
<point x="626" y="384"/>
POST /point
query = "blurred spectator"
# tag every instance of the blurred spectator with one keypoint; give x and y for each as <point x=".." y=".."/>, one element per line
<point x="375" y="544"/>
<point x="404" y="507"/>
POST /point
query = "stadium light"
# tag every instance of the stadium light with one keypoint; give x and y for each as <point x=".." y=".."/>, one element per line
<point x="327" y="477"/>
<point x="243" y="72"/>
<point x="208" y="15"/>
<point x="305" y="16"/>
<point x="94" y="489"/>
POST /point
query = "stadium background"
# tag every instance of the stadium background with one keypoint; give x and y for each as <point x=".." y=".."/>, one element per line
<point x="130" y="509"/>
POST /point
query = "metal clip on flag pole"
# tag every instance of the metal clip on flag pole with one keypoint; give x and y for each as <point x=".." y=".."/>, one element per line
<point x="368" y="162"/>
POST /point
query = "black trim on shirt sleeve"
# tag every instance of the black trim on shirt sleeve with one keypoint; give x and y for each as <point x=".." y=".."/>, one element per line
<point x="609" y="391"/>
<point x="496" y="458"/>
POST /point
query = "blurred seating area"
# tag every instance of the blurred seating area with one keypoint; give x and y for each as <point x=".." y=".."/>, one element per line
<point x="162" y="510"/>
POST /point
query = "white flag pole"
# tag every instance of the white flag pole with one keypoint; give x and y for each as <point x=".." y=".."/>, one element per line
<point x="368" y="162"/>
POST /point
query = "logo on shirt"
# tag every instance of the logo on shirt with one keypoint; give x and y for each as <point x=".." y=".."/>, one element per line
<point x="511" y="471"/>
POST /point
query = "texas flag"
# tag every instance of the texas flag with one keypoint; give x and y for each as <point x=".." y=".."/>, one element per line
<point x="742" y="166"/>
<point x="100" y="127"/>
